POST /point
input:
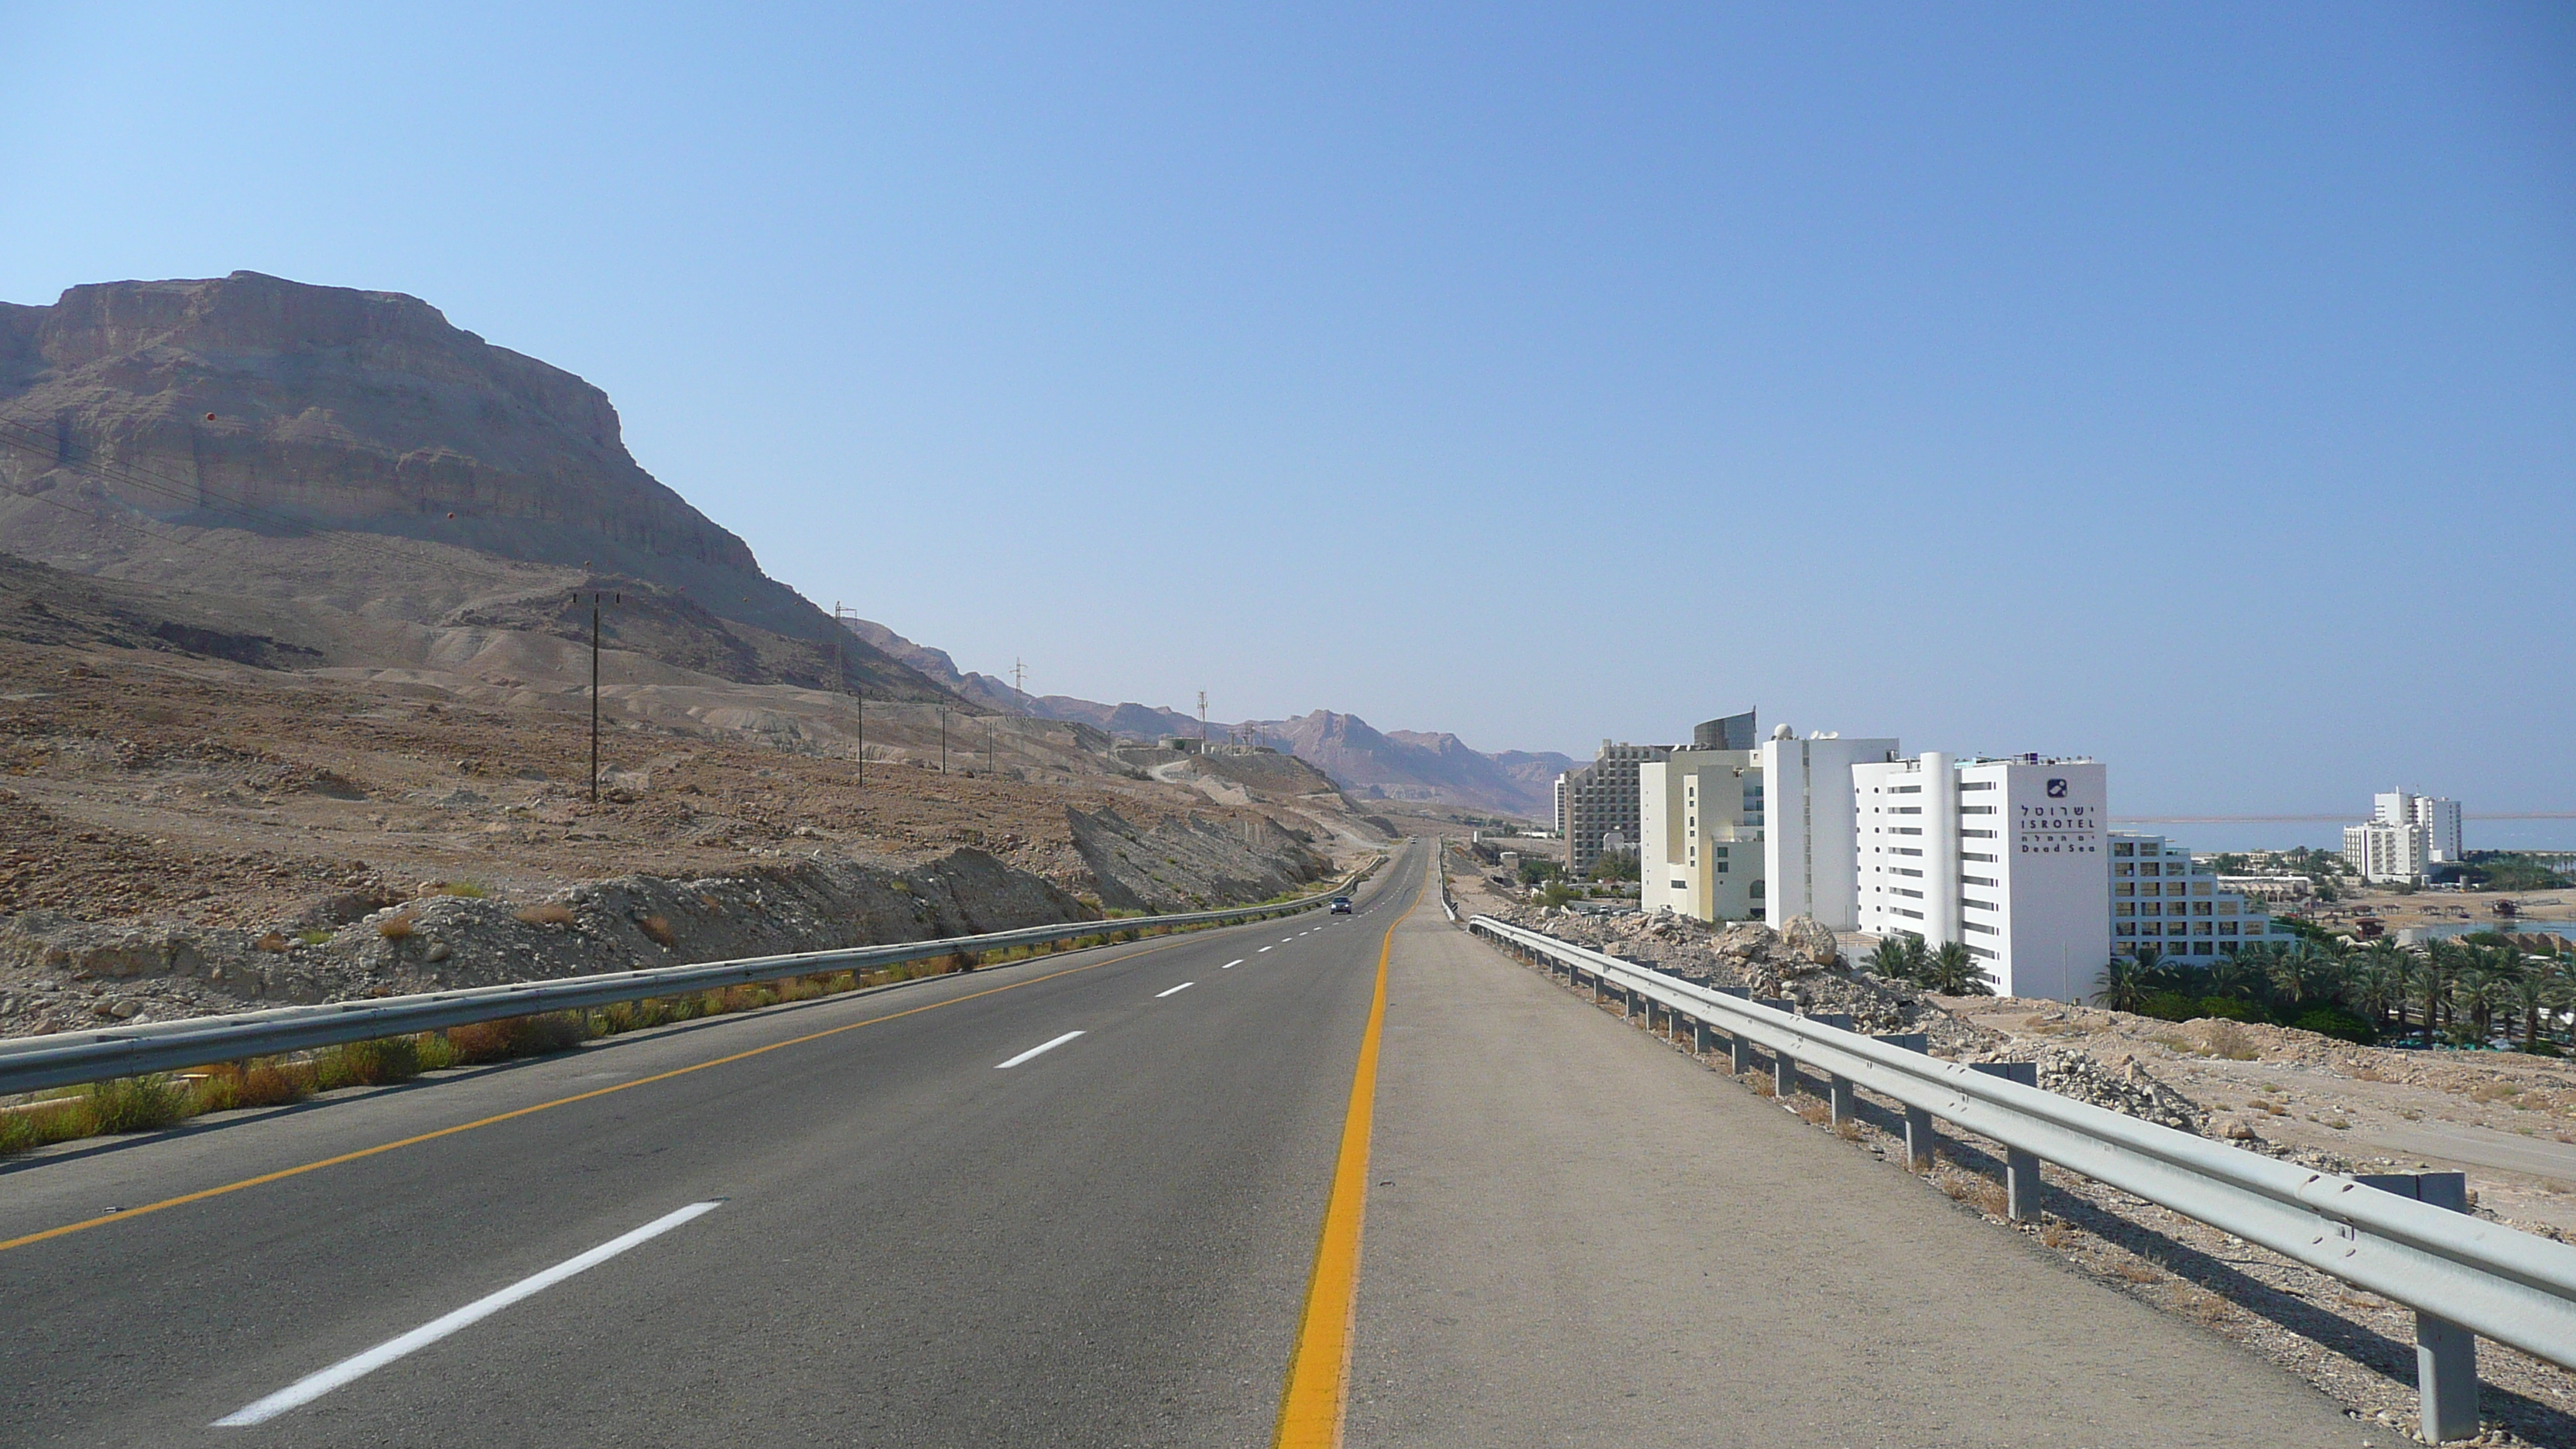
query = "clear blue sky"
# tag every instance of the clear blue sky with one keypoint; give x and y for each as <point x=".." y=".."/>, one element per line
<point x="2193" y="386"/>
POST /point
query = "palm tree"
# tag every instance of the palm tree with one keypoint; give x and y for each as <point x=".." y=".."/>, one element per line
<point x="2439" y="966"/>
<point x="2374" y="986"/>
<point x="2532" y="993"/>
<point x="2477" y="991"/>
<point x="2127" y="981"/>
<point x="2233" y="976"/>
<point x="2388" y="967"/>
<point x="1898" y="957"/>
<point x="1953" y="971"/>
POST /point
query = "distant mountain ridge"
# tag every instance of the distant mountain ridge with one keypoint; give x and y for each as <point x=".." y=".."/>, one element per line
<point x="1363" y="760"/>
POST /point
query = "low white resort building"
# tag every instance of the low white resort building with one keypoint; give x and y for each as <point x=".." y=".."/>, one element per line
<point x="2161" y="898"/>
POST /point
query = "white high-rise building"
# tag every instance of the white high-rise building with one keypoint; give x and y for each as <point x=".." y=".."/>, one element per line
<point x="1700" y="854"/>
<point x="1810" y="840"/>
<point x="2440" y="819"/>
<point x="2004" y="856"/>
<point x="2384" y="852"/>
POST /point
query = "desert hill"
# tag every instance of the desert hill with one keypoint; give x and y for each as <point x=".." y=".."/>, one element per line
<point x="390" y="489"/>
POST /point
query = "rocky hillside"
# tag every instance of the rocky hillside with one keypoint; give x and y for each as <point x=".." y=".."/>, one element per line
<point x="353" y="469"/>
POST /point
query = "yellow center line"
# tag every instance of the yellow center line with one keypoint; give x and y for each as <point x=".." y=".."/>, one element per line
<point x="1319" y="1373"/>
<point x="283" y="1173"/>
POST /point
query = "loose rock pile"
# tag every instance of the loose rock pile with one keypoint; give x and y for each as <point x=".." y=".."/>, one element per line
<point x="2123" y="1086"/>
<point x="1802" y="963"/>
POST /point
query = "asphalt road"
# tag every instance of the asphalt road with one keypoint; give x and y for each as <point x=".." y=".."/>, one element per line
<point x="1107" y="1242"/>
<point x="869" y="1230"/>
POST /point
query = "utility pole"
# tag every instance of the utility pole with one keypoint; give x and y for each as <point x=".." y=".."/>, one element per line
<point x="988" y="745"/>
<point x="1202" y="721"/>
<point x="594" y="687"/>
<point x="858" y="699"/>
<point x="943" y="739"/>
<point x="1019" y="676"/>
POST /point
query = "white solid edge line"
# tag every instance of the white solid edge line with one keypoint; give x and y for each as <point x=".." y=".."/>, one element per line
<point x="1035" y="1050"/>
<point x="1184" y="986"/>
<point x="1230" y="965"/>
<point x="1265" y="948"/>
<point x="314" y="1385"/>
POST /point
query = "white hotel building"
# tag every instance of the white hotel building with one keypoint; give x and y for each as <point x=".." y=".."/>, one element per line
<point x="1811" y="858"/>
<point x="2006" y="856"/>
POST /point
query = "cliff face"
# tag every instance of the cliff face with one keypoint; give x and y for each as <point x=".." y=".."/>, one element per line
<point x="332" y="406"/>
<point x="347" y="471"/>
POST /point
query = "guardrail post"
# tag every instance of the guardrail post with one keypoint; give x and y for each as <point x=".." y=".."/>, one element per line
<point x="1919" y="1137"/>
<point x="2021" y="1169"/>
<point x="1701" y="1038"/>
<point x="1600" y="988"/>
<point x="1629" y="1001"/>
<point x="2446" y="1355"/>
<point x="1838" y="1089"/>
<point x="1784" y="1067"/>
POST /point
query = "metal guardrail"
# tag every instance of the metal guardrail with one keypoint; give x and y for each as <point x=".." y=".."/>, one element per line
<point x="34" y="1063"/>
<point x="2452" y="1269"/>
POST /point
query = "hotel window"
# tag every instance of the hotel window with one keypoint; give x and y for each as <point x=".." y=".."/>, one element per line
<point x="2124" y="871"/>
<point x="2124" y="888"/>
<point x="2123" y="908"/>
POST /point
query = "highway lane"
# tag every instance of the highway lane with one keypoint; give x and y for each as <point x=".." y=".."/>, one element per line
<point x="1106" y="1242"/>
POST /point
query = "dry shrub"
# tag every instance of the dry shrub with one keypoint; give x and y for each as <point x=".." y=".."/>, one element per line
<point x="274" y="941"/>
<point x="137" y="1104"/>
<point x="2131" y="1270"/>
<point x="1816" y="1113"/>
<point x="2194" y="1301"/>
<point x="549" y="914"/>
<point x="1762" y="1084"/>
<point x="2492" y="1092"/>
<point x="710" y="903"/>
<point x="43" y="1124"/>
<point x="267" y="1084"/>
<point x="2057" y="1235"/>
<point x="658" y="930"/>
<point x="479" y="1041"/>
<point x="367" y="1063"/>
<point x="2367" y="1074"/>
<point x="1848" y="1131"/>
<point x="397" y="926"/>
<point x="2229" y="1040"/>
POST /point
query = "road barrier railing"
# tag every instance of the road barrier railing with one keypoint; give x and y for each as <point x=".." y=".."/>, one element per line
<point x="2456" y="1271"/>
<point x="35" y="1063"/>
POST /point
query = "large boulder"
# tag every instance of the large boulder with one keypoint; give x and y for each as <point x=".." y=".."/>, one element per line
<point x="1807" y="937"/>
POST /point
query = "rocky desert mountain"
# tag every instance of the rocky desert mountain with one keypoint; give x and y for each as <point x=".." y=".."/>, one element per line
<point x="1393" y="764"/>
<point x="1407" y="765"/>
<point x="349" y="474"/>
<point x="294" y="641"/>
